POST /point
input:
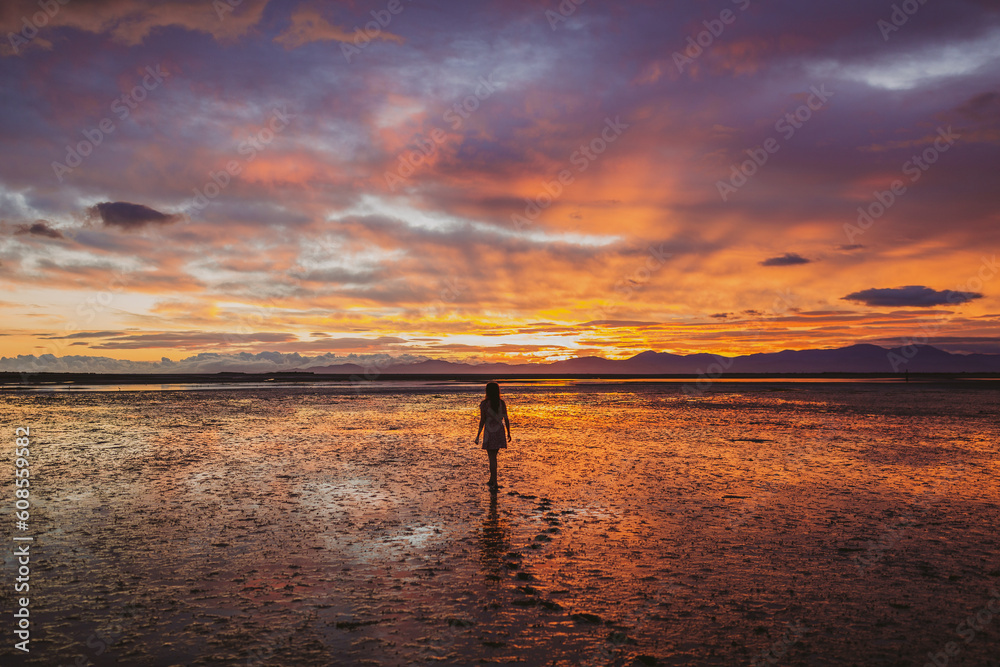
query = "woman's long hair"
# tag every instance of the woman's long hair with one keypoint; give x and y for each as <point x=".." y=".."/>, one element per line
<point x="493" y="395"/>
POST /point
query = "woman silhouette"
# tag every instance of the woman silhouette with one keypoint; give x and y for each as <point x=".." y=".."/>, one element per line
<point x="493" y="417"/>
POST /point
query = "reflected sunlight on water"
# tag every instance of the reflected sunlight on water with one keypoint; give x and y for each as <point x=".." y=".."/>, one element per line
<point x="314" y="524"/>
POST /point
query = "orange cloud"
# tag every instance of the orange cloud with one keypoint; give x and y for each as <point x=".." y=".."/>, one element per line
<point x="126" y="21"/>
<point x="308" y="25"/>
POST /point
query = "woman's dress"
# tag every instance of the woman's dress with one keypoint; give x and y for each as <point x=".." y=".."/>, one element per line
<point x="494" y="435"/>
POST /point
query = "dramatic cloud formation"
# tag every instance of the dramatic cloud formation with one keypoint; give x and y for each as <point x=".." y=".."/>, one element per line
<point x="911" y="295"/>
<point x="495" y="181"/>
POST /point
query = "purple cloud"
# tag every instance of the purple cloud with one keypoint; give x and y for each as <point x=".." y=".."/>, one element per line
<point x="39" y="228"/>
<point x="788" y="259"/>
<point x="130" y="216"/>
<point x="916" y="296"/>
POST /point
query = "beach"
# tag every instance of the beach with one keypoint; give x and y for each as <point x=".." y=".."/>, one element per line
<point x="791" y="523"/>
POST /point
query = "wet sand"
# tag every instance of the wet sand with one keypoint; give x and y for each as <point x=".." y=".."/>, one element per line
<point x="786" y="523"/>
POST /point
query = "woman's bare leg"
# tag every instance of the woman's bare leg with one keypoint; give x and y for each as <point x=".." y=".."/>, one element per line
<point x="492" y="453"/>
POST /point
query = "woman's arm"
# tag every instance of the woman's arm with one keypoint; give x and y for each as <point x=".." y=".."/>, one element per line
<point x="506" y="421"/>
<point x="482" y="423"/>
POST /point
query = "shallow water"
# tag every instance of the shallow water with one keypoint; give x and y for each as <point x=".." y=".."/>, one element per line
<point x="827" y="523"/>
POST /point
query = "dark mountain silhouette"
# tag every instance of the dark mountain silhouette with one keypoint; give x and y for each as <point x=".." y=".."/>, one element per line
<point x="860" y="358"/>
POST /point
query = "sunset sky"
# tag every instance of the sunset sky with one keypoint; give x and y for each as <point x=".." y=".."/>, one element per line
<point x="494" y="181"/>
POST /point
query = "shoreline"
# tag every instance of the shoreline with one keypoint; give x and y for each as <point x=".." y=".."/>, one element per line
<point x="12" y="380"/>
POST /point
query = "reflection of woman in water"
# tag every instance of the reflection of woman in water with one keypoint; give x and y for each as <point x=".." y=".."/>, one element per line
<point x="493" y="417"/>
<point x="494" y="541"/>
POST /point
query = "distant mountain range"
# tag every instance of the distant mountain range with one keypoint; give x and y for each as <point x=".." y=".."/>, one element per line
<point x="852" y="359"/>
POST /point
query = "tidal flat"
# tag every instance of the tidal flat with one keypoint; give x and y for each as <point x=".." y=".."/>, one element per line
<point x="789" y="523"/>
